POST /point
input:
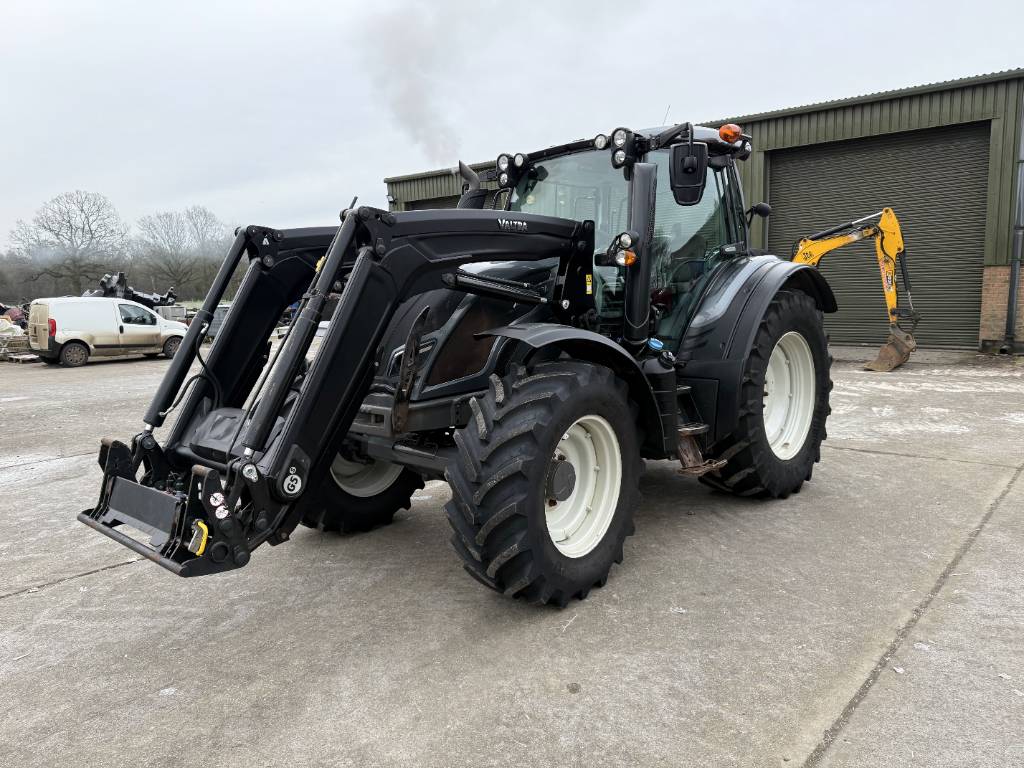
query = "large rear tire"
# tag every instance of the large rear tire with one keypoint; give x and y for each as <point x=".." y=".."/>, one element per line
<point x="784" y="404"/>
<point x="356" y="497"/>
<point x="546" y="482"/>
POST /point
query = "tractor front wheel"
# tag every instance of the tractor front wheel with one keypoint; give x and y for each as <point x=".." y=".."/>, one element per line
<point x="359" y="496"/>
<point x="546" y="482"/>
<point x="783" y="404"/>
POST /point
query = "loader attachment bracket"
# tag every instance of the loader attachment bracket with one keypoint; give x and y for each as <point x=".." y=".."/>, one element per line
<point x="169" y="518"/>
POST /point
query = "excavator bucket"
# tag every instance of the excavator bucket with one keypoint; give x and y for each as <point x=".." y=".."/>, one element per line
<point x="894" y="353"/>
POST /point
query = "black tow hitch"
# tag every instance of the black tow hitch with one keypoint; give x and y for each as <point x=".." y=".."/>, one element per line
<point x="192" y="532"/>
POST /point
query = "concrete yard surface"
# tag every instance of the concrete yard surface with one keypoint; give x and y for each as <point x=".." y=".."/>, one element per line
<point x="875" y="618"/>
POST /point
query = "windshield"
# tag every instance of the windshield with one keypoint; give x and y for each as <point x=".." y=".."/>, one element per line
<point x="686" y="249"/>
<point x="578" y="186"/>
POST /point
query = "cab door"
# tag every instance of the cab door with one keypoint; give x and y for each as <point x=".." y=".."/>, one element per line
<point x="139" y="330"/>
<point x="688" y="247"/>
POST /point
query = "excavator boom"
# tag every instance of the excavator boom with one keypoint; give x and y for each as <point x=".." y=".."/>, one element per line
<point x="890" y="251"/>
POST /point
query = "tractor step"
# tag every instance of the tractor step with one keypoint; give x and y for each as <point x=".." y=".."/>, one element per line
<point x="690" y="456"/>
<point x="692" y="429"/>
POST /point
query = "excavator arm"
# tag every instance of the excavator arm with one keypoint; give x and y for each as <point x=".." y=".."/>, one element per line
<point x="890" y="251"/>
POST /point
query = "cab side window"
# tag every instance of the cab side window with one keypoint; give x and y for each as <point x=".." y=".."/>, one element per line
<point x="132" y="315"/>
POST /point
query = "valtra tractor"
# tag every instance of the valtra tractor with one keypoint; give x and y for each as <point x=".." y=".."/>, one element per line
<point x="531" y="347"/>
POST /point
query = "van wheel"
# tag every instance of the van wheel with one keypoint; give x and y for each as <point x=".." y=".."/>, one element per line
<point x="171" y="347"/>
<point x="74" y="354"/>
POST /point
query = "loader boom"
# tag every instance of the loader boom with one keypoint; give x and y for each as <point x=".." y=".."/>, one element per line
<point x="884" y="228"/>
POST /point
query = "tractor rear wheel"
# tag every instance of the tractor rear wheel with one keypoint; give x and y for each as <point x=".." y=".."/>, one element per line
<point x="358" y="496"/>
<point x="546" y="481"/>
<point x="783" y="404"/>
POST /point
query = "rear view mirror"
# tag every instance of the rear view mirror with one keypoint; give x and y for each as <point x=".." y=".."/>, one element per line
<point x="688" y="171"/>
<point x="759" y="209"/>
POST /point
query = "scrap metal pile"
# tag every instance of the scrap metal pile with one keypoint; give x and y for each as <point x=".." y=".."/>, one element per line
<point x="116" y="287"/>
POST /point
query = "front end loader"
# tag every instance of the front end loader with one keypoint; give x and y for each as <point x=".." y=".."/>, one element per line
<point x="530" y="348"/>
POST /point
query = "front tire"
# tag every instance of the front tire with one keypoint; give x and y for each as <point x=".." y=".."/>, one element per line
<point x="546" y="482"/>
<point x="357" y="497"/>
<point x="784" y="403"/>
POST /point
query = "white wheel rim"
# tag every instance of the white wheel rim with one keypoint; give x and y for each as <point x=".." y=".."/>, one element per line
<point x="577" y="524"/>
<point x="789" y="395"/>
<point x="364" y="480"/>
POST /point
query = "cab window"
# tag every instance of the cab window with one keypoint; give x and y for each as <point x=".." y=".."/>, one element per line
<point x="132" y="315"/>
<point x="687" y="248"/>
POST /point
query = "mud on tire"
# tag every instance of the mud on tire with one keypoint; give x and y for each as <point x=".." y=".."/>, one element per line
<point x="753" y="467"/>
<point x="500" y="482"/>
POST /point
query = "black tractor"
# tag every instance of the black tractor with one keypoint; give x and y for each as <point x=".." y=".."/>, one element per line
<point x="585" y="307"/>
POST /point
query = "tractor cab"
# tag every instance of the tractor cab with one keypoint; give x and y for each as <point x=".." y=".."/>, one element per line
<point x="692" y="221"/>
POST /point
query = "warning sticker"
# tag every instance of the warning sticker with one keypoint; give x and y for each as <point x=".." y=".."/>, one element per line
<point x="590" y="284"/>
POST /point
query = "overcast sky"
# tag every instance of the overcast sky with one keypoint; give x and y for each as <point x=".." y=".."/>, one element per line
<point x="278" y="113"/>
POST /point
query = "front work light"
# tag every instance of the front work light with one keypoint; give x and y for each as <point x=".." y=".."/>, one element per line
<point x="519" y="160"/>
<point x="600" y="141"/>
<point x="502" y="162"/>
<point x="619" y="136"/>
<point x="503" y="179"/>
<point x="619" y="158"/>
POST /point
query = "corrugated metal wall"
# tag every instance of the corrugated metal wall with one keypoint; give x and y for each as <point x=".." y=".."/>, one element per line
<point x="986" y="99"/>
<point x="435" y="202"/>
<point x="412" y="192"/>
<point x="936" y="182"/>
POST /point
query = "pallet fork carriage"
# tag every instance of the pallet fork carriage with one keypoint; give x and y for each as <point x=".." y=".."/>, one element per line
<point x="530" y="360"/>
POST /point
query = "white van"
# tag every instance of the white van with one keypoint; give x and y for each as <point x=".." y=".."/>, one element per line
<point x="72" y="329"/>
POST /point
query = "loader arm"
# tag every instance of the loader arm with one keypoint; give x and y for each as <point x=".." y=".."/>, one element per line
<point x="244" y="447"/>
<point x="884" y="228"/>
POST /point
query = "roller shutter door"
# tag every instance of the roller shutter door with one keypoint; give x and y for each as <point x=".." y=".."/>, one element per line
<point x="936" y="182"/>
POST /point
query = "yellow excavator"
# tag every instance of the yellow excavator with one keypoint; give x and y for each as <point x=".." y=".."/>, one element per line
<point x="884" y="227"/>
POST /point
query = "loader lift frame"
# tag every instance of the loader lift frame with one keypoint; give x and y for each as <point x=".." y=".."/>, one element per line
<point x="387" y="265"/>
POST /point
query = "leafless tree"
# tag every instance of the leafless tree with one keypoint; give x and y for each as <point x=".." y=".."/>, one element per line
<point x="73" y="238"/>
<point x="177" y="246"/>
<point x="209" y="234"/>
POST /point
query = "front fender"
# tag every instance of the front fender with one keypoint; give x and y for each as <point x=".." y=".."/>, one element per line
<point x="595" y="348"/>
<point x="718" y="340"/>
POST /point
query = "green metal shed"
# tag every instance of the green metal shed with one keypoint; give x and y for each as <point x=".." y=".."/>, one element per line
<point x="945" y="156"/>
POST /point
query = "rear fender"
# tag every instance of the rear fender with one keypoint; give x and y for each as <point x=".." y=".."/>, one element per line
<point x="718" y="340"/>
<point x="595" y="348"/>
